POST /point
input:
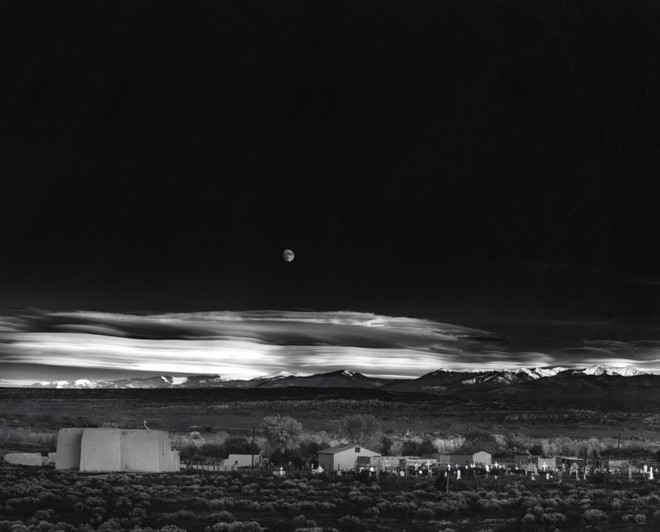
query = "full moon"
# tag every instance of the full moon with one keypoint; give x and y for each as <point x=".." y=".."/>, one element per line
<point x="288" y="255"/>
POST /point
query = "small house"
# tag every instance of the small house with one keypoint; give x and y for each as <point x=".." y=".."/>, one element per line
<point x="480" y="458"/>
<point x="346" y="457"/>
<point x="618" y="466"/>
<point x="521" y="461"/>
<point x="572" y="461"/>
<point x="537" y="463"/>
<point x="547" y="463"/>
<point x="404" y="463"/>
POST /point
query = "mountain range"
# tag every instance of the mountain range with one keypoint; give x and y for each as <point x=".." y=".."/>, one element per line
<point x="437" y="382"/>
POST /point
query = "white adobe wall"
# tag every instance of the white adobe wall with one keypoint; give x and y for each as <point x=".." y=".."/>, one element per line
<point x="168" y="458"/>
<point x="68" y="448"/>
<point x="482" y="457"/>
<point x="100" y="450"/>
<point x="141" y="450"/>
<point x="27" y="459"/>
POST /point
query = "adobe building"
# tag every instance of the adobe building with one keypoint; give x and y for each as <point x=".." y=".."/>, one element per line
<point x="408" y="464"/>
<point x="479" y="459"/>
<point x="538" y="463"/>
<point x="111" y="449"/>
<point x="345" y="457"/>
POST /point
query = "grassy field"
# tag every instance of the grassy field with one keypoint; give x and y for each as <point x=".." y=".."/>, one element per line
<point x="237" y="411"/>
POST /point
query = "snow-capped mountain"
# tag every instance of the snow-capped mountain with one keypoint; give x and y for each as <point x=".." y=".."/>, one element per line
<point x="623" y="371"/>
<point x="434" y="382"/>
<point x="78" y="384"/>
<point x="539" y="373"/>
<point x="176" y="381"/>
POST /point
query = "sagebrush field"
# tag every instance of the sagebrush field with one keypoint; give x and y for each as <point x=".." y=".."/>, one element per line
<point x="46" y="500"/>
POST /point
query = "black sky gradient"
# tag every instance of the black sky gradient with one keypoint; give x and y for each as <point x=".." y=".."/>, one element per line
<point x="445" y="158"/>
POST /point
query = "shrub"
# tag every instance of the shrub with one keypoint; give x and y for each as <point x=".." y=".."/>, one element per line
<point x="302" y="522"/>
<point x="528" y="521"/>
<point x="138" y="512"/>
<point x="554" y="519"/>
<point x="594" y="517"/>
<point x="424" y="514"/>
<point x="350" y="522"/>
<point x="44" y="515"/>
<point x="222" y="517"/>
<point x="237" y="526"/>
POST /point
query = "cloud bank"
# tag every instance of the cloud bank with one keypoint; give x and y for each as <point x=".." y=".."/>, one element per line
<point x="243" y="345"/>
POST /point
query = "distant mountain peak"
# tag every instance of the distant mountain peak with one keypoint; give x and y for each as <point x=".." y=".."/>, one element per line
<point x="541" y="372"/>
<point x="282" y="374"/>
<point x="174" y="380"/>
<point x="622" y="371"/>
<point x="436" y="380"/>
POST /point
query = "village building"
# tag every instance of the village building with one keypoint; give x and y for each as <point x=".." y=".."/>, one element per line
<point x="547" y="463"/>
<point x="618" y="466"/>
<point x="111" y="449"/>
<point x="521" y="461"/>
<point x="403" y="463"/>
<point x="346" y="457"/>
<point x="572" y="461"/>
<point x="537" y="463"/>
<point x="478" y="459"/>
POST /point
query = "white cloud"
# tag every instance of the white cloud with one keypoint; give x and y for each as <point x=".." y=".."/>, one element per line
<point x="241" y="345"/>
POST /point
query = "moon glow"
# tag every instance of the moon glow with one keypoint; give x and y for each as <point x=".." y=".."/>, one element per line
<point x="288" y="255"/>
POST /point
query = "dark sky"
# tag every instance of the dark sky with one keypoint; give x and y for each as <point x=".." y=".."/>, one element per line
<point x="427" y="158"/>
